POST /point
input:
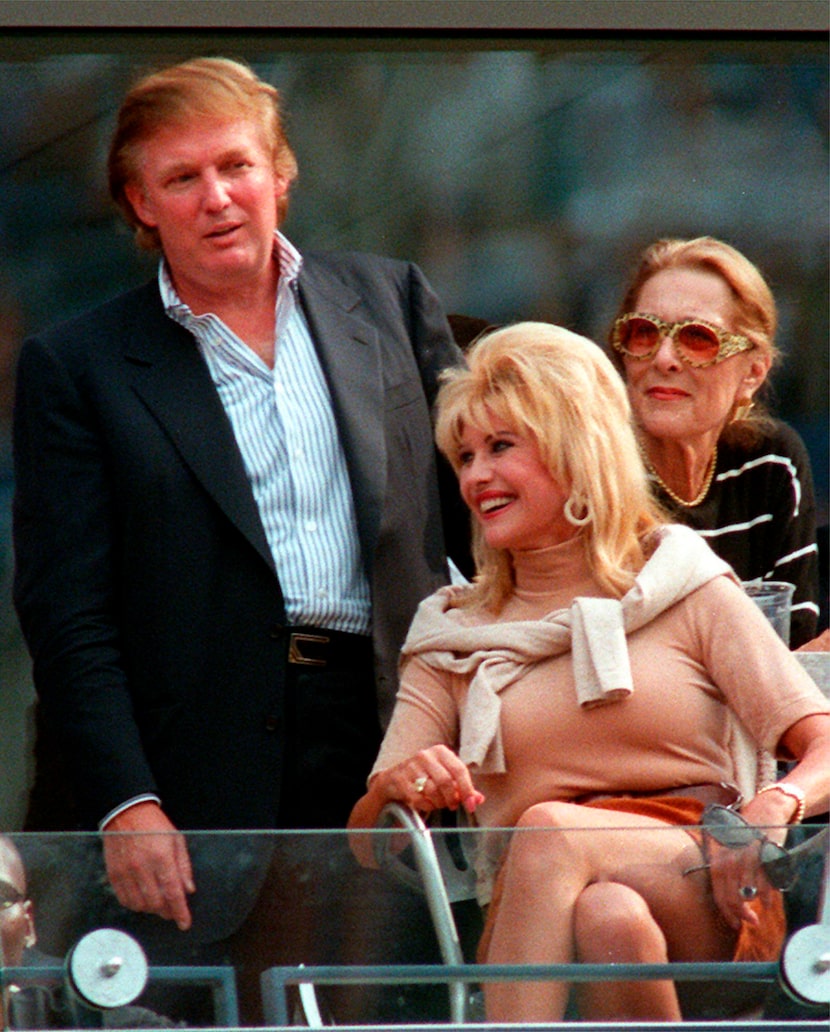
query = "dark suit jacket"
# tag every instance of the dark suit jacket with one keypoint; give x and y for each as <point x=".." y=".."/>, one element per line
<point x="144" y="584"/>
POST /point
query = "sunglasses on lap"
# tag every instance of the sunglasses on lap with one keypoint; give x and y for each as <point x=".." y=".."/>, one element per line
<point x="729" y="829"/>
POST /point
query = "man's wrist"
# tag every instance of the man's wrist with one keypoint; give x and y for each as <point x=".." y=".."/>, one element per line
<point x="147" y="797"/>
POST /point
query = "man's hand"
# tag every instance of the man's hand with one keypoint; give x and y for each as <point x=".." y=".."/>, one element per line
<point x="149" y="869"/>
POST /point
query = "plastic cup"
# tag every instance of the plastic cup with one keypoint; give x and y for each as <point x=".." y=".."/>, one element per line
<point x="774" y="599"/>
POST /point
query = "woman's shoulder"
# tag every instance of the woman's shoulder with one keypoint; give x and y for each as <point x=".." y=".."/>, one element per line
<point x="767" y="437"/>
<point x="452" y="604"/>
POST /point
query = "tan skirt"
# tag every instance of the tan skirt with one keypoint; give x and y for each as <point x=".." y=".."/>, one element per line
<point x="761" y="942"/>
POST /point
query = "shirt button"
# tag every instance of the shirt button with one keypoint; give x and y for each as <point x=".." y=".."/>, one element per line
<point x="276" y="631"/>
<point x="272" y="722"/>
<point x="311" y="526"/>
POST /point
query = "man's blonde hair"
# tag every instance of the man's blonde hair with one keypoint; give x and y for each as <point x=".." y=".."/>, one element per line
<point x="206" y="87"/>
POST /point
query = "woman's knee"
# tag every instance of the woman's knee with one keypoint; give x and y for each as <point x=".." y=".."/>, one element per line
<point x="613" y="923"/>
<point x="541" y="845"/>
<point x="549" y="815"/>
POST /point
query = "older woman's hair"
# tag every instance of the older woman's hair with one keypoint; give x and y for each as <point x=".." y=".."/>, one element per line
<point x="558" y="388"/>
<point x="755" y="312"/>
<point x="204" y="88"/>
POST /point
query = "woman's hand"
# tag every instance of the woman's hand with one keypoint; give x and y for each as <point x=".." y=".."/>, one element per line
<point x="737" y="880"/>
<point x="432" y="779"/>
<point x="736" y="872"/>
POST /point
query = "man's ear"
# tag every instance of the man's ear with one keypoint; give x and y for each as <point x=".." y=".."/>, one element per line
<point x="135" y="195"/>
<point x="281" y="187"/>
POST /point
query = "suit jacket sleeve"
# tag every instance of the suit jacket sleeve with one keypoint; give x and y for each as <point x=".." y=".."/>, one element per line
<point x="64" y="589"/>
<point x="435" y="351"/>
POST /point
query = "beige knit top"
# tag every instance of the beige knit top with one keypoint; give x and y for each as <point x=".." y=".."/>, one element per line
<point x="710" y="651"/>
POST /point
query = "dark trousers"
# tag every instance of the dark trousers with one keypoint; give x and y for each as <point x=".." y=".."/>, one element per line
<point x="317" y="905"/>
<point x="272" y="898"/>
<point x="332" y="732"/>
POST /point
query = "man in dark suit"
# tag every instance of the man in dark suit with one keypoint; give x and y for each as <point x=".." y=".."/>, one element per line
<point x="227" y="497"/>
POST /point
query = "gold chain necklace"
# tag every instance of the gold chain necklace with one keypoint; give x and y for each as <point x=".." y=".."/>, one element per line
<point x="707" y="483"/>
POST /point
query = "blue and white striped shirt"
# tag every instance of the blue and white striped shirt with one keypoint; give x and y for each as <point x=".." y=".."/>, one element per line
<point x="284" y="425"/>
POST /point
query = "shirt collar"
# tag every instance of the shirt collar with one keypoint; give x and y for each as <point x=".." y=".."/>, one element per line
<point x="290" y="262"/>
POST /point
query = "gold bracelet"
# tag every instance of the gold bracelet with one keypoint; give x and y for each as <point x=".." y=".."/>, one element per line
<point x="794" y="792"/>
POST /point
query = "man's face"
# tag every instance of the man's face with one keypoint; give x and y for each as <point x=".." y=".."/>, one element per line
<point x="210" y="190"/>
<point x="17" y="930"/>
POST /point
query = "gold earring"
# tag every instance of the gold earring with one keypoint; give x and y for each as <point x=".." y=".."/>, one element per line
<point x="742" y="410"/>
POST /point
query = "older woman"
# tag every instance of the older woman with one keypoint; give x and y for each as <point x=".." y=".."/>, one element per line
<point x="602" y="661"/>
<point x="695" y="340"/>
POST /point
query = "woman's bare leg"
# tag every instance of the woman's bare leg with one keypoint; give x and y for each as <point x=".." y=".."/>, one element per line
<point x="613" y="925"/>
<point x="558" y="851"/>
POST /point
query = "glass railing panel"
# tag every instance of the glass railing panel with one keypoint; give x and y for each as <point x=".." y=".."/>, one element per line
<point x="375" y="944"/>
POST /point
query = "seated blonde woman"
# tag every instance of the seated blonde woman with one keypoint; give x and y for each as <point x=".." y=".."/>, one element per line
<point x="601" y="673"/>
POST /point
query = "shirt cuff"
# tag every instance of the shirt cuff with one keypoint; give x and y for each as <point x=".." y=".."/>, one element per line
<point x="148" y="797"/>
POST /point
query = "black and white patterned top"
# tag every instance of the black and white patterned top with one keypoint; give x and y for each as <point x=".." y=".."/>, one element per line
<point x="759" y="515"/>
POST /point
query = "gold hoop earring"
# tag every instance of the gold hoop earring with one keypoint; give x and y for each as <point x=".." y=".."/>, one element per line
<point x="742" y="411"/>
<point x="571" y="517"/>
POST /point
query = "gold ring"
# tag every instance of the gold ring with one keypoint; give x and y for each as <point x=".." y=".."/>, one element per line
<point x="419" y="784"/>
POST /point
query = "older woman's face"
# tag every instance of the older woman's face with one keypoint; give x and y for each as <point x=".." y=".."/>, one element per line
<point x="670" y="398"/>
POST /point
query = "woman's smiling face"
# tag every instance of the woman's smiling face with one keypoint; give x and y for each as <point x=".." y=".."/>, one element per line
<point x="509" y="490"/>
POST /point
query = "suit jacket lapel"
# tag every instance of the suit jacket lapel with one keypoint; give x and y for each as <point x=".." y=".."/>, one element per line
<point x="348" y="349"/>
<point x="170" y="376"/>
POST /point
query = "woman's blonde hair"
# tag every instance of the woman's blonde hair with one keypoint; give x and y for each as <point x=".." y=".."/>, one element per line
<point x="206" y="87"/>
<point x="561" y="390"/>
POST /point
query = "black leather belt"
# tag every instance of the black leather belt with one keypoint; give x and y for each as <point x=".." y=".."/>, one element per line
<point x="320" y="647"/>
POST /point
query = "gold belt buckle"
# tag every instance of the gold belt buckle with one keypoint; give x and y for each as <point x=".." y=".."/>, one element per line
<point x="295" y="654"/>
